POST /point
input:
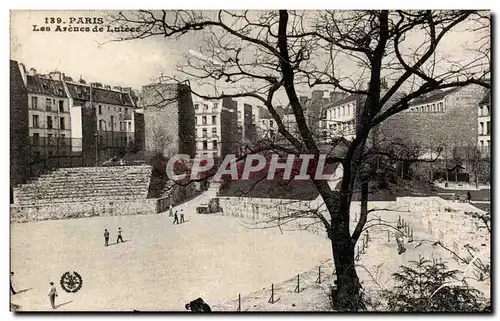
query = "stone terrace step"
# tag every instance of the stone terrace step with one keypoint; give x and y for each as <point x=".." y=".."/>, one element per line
<point x="79" y="199"/>
<point x="86" y="184"/>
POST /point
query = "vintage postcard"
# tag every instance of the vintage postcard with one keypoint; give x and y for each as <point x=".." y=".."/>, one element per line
<point x="250" y="160"/>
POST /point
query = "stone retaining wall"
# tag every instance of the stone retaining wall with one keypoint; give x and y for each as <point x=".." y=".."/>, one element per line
<point x="60" y="211"/>
<point x="260" y="210"/>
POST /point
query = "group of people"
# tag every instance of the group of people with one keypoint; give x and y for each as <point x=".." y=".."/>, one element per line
<point x="176" y="216"/>
<point x="106" y="236"/>
<point x="52" y="291"/>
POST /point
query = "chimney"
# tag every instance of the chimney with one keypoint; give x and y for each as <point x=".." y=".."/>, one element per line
<point x="32" y="71"/>
<point x="117" y="88"/>
<point x="22" y="68"/>
<point x="97" y="85"/>
<point x="107" y="87"/>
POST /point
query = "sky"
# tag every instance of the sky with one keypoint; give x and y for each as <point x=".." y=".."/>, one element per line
<point x="128" y="63"/>
<point x="91" y="55"/>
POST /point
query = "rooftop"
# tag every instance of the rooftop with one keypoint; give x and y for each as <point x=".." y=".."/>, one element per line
<point x="100" y="95"/>
<point x="45" y="86"/>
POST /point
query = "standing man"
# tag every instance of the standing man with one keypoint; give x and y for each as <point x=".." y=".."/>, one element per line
<point x="182" y="217"/>
<point x="106" y="237"/>
<point x="119" y="235"/>
<point x="52" y="295"/>
<point x="469" y="196"/>
<point x="11" y="284"/>
<point x="176" y="218"/>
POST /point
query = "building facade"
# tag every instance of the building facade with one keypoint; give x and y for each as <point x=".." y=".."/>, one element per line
<point x="484" y="125"/>
<point x="169" y="119"/>
<point x="102" y="119"/>
<point x="341" y="118"/>
<point x="49" y="119"/>
<point x="446" y="120"/>
<point x="217" y="131"/>
<point x="19" y="127"/>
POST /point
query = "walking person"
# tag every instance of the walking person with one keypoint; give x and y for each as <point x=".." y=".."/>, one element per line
<point x="106" y="237"/>
<point x="119" y="235"/>
<point x="12" y="284"/>
<point x="176" y="218"/>
<point x="52" y="295"/>
<point x="182" y="217"/>
<point x="469" y="196"/>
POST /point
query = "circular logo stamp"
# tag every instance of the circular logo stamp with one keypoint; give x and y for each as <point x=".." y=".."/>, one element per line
<point x="71" y="282"/>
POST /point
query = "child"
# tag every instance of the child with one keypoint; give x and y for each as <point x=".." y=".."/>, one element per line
<point x="106" y="237"/>
<point x="119" y="235"/>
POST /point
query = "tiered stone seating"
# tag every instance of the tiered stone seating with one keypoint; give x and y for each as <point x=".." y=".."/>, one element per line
<point x="85" y="184"/>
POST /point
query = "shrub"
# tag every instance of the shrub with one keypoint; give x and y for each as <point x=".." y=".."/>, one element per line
<point x="432" y="287"/>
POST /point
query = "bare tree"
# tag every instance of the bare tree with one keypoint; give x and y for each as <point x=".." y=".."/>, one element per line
<point x="160" y="139"/>
<point x="271" y="55"/>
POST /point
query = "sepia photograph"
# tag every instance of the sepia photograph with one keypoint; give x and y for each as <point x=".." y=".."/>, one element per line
<point x="250" y="161"/>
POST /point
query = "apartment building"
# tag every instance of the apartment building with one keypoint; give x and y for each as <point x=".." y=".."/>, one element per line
<point x="484" y="124"/>
<point x="217" y="127"/>
<point x="49" y="116"/>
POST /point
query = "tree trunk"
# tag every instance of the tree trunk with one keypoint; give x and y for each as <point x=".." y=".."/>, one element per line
<point x="348" y="285"/>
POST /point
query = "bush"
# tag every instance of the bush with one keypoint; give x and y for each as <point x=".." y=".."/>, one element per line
<point x="432" y="287"/>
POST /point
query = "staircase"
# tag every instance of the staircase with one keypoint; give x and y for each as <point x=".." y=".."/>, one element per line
<point x="85" y="184"/>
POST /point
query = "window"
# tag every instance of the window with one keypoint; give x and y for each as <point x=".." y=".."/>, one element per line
<point x="129" y="126"/>
<point x="481" y="142"/>
<point x="61" y="106"/>
<point x="214" y="119"/>
<point x="196" y="106"/>
<point x="481" y="128"/>
<point x="112" y="122"/>
<point x="49" y="139"/>
<point x="488" y="128"/>
<point x="348" y="109"/>
<point x="214" y="144"/>
<point x="48" y="104"/>
<point x="216" y="105"/>
<point x="35" y="121"/>
<point x="214" y="131"/>
<point x="34" y="102"/>
<point x="36" y="139"/>
<point x="49" y="122"/>
<point x="204" y="120"/>
<point x="62" y="124"/>
<point x="271" y="123"/>
<point x="343" y="111"/>
<point x="100" y="109"/>
<point x="206" y="106"/>
<point x="205" y="144"/>
<point x="354" y="109"/>
<point x="204" y="132"/>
